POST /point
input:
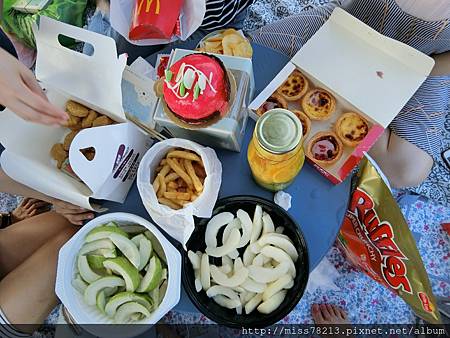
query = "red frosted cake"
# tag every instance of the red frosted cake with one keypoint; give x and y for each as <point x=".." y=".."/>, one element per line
<point x="197" y="88"/>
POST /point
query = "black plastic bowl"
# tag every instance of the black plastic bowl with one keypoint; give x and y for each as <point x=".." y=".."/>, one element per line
<point x="228" y="317"/>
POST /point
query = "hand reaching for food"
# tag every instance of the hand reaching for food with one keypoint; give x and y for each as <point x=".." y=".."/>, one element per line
<point x="20" y="92"/>
<point x="74" y="214"/>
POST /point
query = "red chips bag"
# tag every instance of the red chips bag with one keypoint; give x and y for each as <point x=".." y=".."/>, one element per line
<point x="376" y="238"/>
<point x="154" y="19"/>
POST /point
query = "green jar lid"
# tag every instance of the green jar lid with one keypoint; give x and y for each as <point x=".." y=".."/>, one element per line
<point x="279" y="131"/>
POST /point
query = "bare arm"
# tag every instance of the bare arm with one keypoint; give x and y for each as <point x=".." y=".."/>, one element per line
<point x="76" y="215"/>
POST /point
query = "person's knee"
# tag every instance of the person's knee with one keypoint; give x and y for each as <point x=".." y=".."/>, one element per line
<point x="63" y="236"/>
<point x="411" y="171"/>
<point x="404" y="164"/>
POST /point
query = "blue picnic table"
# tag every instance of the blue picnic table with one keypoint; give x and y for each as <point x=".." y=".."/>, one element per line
<point x="317" y="205"/>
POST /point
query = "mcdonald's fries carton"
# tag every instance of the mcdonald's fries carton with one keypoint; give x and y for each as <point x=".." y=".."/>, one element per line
<point x="156" y="22"/>
<point x="155" y="19"/>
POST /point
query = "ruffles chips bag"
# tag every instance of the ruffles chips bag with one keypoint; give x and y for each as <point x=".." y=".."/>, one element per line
<point x="376" y="238"/>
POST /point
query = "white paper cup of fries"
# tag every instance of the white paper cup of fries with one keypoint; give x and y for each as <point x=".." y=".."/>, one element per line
<point x="173" y="188"/>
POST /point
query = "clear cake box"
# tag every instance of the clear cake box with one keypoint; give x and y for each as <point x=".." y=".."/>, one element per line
<point x="228" y="133"/>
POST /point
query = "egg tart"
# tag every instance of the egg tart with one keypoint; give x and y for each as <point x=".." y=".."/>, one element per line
<point x="306" y="122"/>
<point x="274" y="101"/>
<point x="318" y="104"/>
<point x="325" y="148"/>
<point x="351" y="128"/>
<point x="294" y="87"/>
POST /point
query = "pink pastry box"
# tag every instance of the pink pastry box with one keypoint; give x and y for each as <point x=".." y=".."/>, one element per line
<point x="363" y="73"/>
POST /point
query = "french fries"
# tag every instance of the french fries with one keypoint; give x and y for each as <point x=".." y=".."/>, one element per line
<point x="172" y="177"/>
<point x="162" y="185"/>
<point x="179" y="178"/>
<point x="184" y="154"/>
<point x="185" y="196"/>
<point x="169" y="203"/>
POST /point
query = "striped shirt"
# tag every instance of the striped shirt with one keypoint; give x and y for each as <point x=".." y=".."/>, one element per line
<point x="220" y="14"/>
<point x="422" y="120"/>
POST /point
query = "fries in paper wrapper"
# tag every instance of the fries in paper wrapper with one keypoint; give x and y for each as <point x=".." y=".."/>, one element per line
<point x="376" y="238"/>
<point x="178" y="179"/>
<point x="155" y="19"/>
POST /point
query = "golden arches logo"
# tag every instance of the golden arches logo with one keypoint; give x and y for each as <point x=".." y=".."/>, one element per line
<point x="148" y="6"/>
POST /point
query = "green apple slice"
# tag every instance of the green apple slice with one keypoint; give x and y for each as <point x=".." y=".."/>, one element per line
<point x="152" y="277"/>
<point x="125" y="297"/>
<point x="163" y="275"/>
<point x="121" y="266"/>
<point x="156" y="246"/>
<point x="136" y="317"/>
<point x="90" y="248"/>
<point x="96" y="261"/>
<point x="162" y="291"/>
<point x="127" y="311"/>
<point x="103" y="232"/>
<point x="145" y="249"/>
<point x="85" y="270"/>
<point x="107" y="253"/>
<point x="137" y="238"/>
<point x="101" y="301"/>
<point x="110" y="291"/>
<point x="128" y="248"/>
<point x="90" y="295"/>
<point x="79" y="284"/>
<point x="133" y="228"/>
<point x="111" y="224"/>
<point x="154" y="295"/>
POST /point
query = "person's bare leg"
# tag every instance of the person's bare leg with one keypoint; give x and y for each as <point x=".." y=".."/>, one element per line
<point x="27" y="294"/>
<point x="442" y="65"/>
<point x="325" y="314"/>
<point x="404" y="164"/>
<point x="331" y="315"/>
<point x="20" y="240"/>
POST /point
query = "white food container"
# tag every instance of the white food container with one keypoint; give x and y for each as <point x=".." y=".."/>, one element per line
<point x="85" y="315"/>
<point x="94" y="81"/>
<point x="179" y="223"/>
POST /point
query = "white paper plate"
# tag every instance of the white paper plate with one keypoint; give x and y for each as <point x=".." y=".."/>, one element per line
<point x="86" y="315"/>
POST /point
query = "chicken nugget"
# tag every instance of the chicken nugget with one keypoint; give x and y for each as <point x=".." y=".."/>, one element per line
<point x="87" y="121"/>
<point x="69" y="138"/>
<point x="72" y="121"/>
<point x="58" y="153"/>
<point x="102" y="121"/>
<point x="76" y="109"/>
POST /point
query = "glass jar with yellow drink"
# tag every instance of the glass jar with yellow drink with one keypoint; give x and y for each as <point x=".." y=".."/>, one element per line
<point x="275" y="153"/>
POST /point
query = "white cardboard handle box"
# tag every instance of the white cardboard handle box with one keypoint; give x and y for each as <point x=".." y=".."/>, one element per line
<point x="96" y="82"/>
<point x="366" y="72"/>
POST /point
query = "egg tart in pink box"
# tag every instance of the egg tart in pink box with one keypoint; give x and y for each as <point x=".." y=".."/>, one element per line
<point x="325" y="148"/>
